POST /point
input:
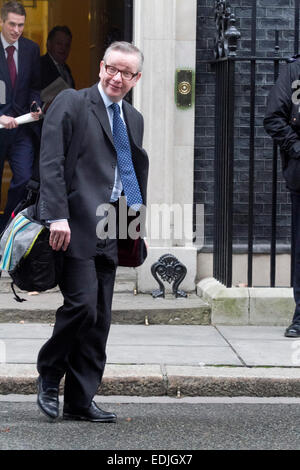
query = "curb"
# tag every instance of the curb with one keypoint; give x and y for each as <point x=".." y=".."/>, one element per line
<point x="172" y="381"/>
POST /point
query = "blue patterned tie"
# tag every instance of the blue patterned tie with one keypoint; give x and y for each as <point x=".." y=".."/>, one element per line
<point x="122" y="145"/>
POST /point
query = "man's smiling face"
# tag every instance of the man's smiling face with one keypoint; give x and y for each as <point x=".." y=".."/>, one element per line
<point x="116" y="87"/>
<point x="12" y="27"/>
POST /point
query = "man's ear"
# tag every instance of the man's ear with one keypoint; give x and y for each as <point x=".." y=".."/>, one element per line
<point x="100" y="67"/>
<point x="137" y="78"/>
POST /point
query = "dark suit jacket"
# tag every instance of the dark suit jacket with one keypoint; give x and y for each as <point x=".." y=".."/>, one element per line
<point x="49" y="72"/>
<point x="27" y="87"/>
<point x="94" y="175"/>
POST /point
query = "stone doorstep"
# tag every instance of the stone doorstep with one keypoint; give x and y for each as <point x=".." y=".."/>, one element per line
<point x="143" y="309"/>
<point x="127" y="309"/>
<point x="213" y="304"/>
<point x="176" y="381"/>
<point x="247" y="306"/>
<point x="126" y="281"/>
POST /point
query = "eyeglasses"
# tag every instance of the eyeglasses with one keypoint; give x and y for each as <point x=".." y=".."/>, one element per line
<point x="112" y="71"/>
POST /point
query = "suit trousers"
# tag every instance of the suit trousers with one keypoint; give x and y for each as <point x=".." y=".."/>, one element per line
<point x="77" y="347"/>
<point x="295" y="198"/>
<point x="17" y="147"/>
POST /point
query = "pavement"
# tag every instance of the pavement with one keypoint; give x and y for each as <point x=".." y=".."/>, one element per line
<point x="156" y="358"/>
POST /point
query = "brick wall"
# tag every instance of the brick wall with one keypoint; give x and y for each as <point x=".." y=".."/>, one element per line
<point x="271" y="14"/>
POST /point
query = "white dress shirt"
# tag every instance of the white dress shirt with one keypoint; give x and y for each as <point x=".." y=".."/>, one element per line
<point x="6" y="44"/>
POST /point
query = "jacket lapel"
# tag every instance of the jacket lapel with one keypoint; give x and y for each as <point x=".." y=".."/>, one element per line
<point x="99" y="110"/>
<point x="4" y="72"/>
<point x="22" y="62"/>
<point x="130" y="122"/>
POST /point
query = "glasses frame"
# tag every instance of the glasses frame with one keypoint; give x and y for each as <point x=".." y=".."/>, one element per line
<point x="133" y="75"/>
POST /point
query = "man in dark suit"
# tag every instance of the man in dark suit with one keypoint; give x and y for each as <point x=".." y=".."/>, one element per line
<point x="20" y="76"/>
<point x="111" y="162"/>
<point x="53" y="64"/>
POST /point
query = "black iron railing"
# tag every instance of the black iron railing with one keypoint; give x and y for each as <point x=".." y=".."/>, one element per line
<point x="224" y="171"/>
<point x="224" y="157"/>
<point x="225" y="67"/>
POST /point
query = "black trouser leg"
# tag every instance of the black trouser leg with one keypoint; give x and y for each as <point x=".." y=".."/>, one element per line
<point x="296" y="253"/>
<point x="78" y="313"/>
<point x="87" y="360"/>
<point x="77" y="346"/>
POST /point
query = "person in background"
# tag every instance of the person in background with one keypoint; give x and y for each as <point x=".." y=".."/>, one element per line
<point x="282" y="123"/>
<point x="53" y="64"/>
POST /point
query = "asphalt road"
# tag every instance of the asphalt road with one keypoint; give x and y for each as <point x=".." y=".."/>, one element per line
<point x="158" y="424"/>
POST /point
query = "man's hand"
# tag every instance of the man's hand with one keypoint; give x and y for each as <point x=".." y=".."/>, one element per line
<point x="8" y="122"/>
<point x="36" y="111"/>
<point x="60" y="235"/>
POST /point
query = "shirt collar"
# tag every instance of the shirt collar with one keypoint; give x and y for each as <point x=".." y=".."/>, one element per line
<point x="6" y="44"/>
<point x="106" y="99"/>
<point x="55" y="62"/>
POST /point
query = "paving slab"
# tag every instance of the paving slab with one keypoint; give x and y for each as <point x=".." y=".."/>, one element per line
<point x="25" y="330"/>
<point x="263" y="346"/>
<point x="175" y="335"/>
<point x="252" y="333"/>
<point x="271" y="353"/>
<point x="172" y="355"/>
<point x="131" y="344"/>
<point x="22" y="351"/>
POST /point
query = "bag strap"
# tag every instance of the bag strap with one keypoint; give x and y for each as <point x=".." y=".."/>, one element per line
<point x="17" y="297"/>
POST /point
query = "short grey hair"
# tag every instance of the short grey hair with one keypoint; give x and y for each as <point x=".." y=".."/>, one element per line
<point x="127" y="48"/>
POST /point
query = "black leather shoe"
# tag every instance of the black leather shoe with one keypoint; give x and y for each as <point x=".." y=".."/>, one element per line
<point x="47" y="398"/>
<point x="93" y="413"/>
<point x="293" y="331"/>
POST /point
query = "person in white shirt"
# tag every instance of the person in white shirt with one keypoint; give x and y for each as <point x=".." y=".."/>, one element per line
<point x="20" y="85"/>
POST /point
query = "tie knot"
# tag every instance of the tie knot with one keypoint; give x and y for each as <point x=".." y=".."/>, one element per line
<point x="10" y="50"/>
<point x="116" y="108"/>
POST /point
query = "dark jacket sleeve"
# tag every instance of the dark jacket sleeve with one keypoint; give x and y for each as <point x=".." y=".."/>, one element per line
<point x="278" y="121"/>
<point x="57" y="133"/>
<point x="35" y="85"/>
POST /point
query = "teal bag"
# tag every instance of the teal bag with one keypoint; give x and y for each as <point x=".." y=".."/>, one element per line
<point x="26" y="254"/>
